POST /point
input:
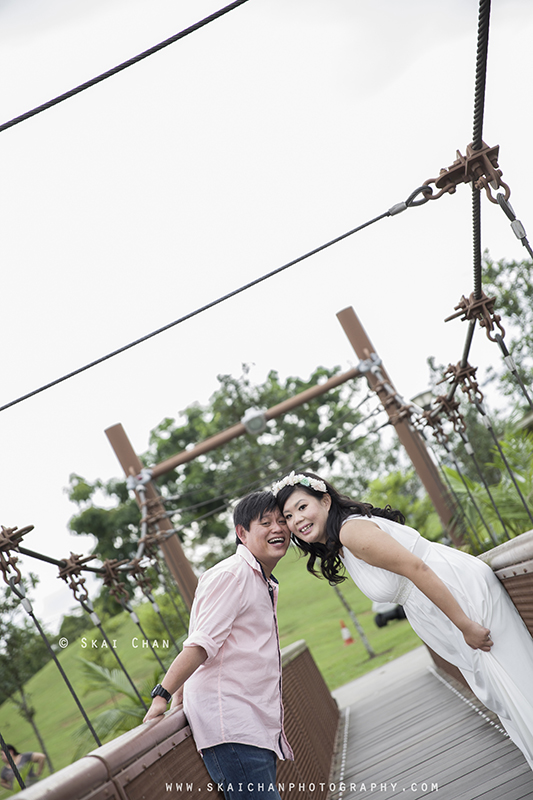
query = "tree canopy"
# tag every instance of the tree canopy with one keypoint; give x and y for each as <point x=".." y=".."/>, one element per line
<point x="510" y="282"/>
<point x="329" y="434"/>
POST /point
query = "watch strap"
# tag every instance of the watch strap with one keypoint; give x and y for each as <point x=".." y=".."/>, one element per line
<point x="160" y="691"/>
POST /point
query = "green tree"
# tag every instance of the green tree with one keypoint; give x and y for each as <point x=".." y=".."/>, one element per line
<point x="517" y="447"/>
<point x="511" y="282"/>
<point x="22" y="654"/>
<point x="326" y="434"/>
<point x="403" y="490"/>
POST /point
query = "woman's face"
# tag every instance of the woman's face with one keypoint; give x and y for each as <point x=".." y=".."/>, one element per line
<point x="307" y="515"/>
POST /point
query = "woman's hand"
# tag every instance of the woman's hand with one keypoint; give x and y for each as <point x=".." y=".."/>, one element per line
<point x="477" y="637"/>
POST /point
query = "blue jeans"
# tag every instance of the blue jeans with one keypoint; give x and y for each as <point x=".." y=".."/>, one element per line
<point x="242" y="771"/>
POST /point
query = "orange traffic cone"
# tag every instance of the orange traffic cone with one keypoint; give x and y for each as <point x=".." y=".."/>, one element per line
<point x="346" y="635"/>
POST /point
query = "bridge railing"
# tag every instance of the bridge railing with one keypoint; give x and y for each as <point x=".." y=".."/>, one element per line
<point x="160" y="759"/>
<point x="512" y="563"/>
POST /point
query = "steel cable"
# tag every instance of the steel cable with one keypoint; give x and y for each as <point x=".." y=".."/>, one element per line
<point x="389" y="213"/>
<point x="481" y="71"/>
<point x="120" y="67"/>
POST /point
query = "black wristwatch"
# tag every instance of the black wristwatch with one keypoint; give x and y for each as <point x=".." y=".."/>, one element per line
<point x="160" y="691"/>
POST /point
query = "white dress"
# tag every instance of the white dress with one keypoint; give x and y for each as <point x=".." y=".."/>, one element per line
<point x="502" y="678"/>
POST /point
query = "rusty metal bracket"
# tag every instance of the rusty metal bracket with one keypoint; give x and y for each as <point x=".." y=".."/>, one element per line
<point x="447" y="407"/>
<point x="481" y="309"/>
<point x="465" y="378"/>
<point x="153" y="519"/>
<point x="10" y="539"/>
<point x="432" y="421"/>
<point x="403" y="414"/>
<point x="479" y="167"/>
<point x="112" y="580"/>
<point x="138" y="573"/>
<point x="71" y="572"/>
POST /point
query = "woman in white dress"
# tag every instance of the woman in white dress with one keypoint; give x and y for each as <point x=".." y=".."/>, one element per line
<point x="452" y="600"/>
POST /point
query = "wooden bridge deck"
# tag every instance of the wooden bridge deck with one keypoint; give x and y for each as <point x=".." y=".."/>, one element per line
<point x="418" y="737"/>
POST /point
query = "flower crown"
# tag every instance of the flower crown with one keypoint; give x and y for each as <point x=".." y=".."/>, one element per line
<point x="294" y="480"/>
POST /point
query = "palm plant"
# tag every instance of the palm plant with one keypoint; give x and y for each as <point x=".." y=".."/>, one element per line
<point x="126" y="713"/>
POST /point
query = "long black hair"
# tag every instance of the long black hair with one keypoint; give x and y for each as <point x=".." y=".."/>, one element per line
<point x="341" y="507"/>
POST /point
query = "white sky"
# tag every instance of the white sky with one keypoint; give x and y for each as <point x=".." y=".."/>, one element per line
<point x="252" y="141"/>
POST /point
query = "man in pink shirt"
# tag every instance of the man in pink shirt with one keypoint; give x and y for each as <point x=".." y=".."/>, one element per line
<point x="229" y="671"/>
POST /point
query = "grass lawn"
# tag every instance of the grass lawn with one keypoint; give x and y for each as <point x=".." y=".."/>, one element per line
<point x="308" y="609"/>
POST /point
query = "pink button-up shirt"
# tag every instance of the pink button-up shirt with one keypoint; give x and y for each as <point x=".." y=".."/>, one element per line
<point x="235" y="695"/>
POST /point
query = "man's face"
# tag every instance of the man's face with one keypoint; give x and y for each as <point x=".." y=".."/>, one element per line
<point x="267" y="539"/>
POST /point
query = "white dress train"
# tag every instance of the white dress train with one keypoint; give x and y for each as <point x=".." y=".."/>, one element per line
<point x="502" y="678"/>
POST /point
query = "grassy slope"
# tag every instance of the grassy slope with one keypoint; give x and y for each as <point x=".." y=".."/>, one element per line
<point x="308" y="609"/>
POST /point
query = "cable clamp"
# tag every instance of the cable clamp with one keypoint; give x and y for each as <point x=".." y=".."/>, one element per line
<point x="369" y="364"/>
<point x="134" y="481"/>
<point x="478" y="167"/>
<point x="510" y="363"/>
<point x="518" y="229"/>
<point x="516" y="226"/>
<point x="20" y="591"/>
<point x="481" y="309"/>
<point x="397" y="209"/>
<point x="465" y="377"/>
<point x="26" y="605"/>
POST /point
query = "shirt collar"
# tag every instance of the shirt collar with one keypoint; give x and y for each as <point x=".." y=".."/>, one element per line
<point x="250" y="559"/>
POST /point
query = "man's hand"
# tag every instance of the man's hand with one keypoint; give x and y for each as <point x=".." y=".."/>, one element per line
<point x="157" y="709"/>
<point x="183" y="666"/>
<point x="177" y="699"/>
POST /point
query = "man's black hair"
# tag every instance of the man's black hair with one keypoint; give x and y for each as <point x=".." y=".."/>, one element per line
<point x="251" y="507"/>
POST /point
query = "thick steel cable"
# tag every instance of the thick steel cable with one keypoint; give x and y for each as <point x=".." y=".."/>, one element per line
<point x="511" y="366"/>
<point x="488" y="425"/>
<point x="481" y="71"/>
<point x="127" y="607"/>
<point x="477" y="143"/>
<point x="472" y="499"/>
<point x="471" y="452"/>
<point x="29" y="610"/>
<point x="476" y="243"/>
<point x="425" y="190"/>
<point x="155" y="608"/>
<point x="469" y="529"/>
<point x="93" y="617"/>
<point x="50" y="560"/>
<point x="120" y="67"/>
<point x="166" y="586"/>
<point x="477" y="136"/>
<point x="12" y="764"/>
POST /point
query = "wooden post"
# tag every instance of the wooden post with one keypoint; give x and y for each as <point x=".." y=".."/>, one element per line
<point x="237" y="430"/>
<point x="171" y="547"/>
<point x="409" y="437"/>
